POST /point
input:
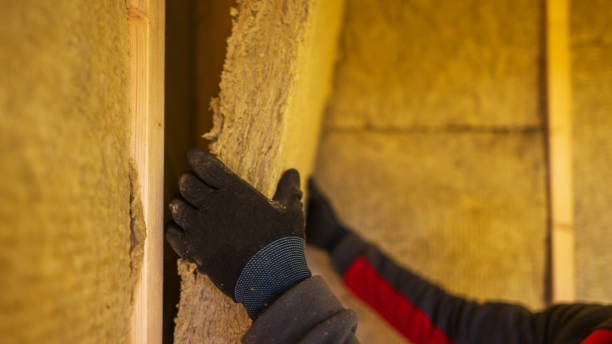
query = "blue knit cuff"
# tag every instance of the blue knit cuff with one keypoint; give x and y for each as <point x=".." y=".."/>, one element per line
<point x="272" y="270"/>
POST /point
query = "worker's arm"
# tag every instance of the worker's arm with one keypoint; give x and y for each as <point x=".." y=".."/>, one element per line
<point x="425" y="313"/>
<point x="252" y="248"/>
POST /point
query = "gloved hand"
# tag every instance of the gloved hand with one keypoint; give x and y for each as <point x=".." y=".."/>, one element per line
<point x="322" y="227"/>
<point x="251" y="247"/>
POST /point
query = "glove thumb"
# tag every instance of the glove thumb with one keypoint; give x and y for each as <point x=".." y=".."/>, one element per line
<point x="288" y="191"/>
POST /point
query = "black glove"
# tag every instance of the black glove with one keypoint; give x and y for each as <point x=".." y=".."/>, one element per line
<point x="322" y="227"/>
<point x="221" y="223"/>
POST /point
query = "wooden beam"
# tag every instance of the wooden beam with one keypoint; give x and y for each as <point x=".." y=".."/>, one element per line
<point x="560" y="150"/>
<point x="146" y="19"/>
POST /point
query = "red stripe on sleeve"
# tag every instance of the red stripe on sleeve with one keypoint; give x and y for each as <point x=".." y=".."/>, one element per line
<point x="599" y="337"/>
<point x="363" y="280"/>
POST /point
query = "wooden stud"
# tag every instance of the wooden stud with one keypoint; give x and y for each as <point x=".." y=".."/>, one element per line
<point x="560" y="150"/>
<point x="146" y="21"/>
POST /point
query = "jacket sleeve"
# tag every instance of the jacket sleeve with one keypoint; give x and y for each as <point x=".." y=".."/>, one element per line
<point x="425" y="313"/>
<point x="306" y="313"/>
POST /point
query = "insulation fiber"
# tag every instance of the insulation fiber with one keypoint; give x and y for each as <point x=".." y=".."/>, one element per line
<point x="433" y="145"/>
<point x="591" y="53"/>
<point x="274" y="84"/>
<point x="72" y="225"/>
<point x="468" y="62"/>
<point x="440" y="204"/>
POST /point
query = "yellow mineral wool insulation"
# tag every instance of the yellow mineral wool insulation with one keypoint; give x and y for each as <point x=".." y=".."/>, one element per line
<point x="466" y="210"/>
<point x="434" y="144"/>
<point x="68" y="202"/>
<point x="275" y="81"/>
<point x="441" y="204"/>
<point x="407" y="64"/>
<point x="274" y="85"/>
<point x="591" y="53"/>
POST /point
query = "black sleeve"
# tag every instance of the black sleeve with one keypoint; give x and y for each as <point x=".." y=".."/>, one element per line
<point x="425" y="313"/>
<point x="306" y="313"/>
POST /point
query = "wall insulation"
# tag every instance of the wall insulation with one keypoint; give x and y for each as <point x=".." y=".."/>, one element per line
<point x="591" y="53"/>
<point x="274" y="85"/>
<point x="435" y="126"/>
<point x="68" y="200"/>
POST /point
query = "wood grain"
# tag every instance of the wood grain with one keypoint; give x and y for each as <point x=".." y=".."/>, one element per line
<point x="146" y="30"/>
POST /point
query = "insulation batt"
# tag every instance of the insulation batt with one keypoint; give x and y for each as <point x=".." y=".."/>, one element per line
<point x="72" y="226"/>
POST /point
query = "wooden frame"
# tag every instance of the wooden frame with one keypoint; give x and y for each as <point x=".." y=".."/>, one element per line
<point x="558" y="80"/>
<point x="146" y="21"/>
<point x="146" y="38"/>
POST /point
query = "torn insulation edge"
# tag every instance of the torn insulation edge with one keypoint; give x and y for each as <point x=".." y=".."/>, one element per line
<point x="138" y="230"/>
<point x="218" y="118"/>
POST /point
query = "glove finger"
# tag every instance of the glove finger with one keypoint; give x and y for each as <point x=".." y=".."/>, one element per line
<point x="210" y="169"/>
<point x="316" y="200"/>
<point x="176" y="237"/>
<point x="319" y="211"/>
<point x="315" y="193"/>
<point x="313" y="189"/>
<point x="194" y="190"/>
<point x="288" y="190"/>
<point x="183" y="213"/>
